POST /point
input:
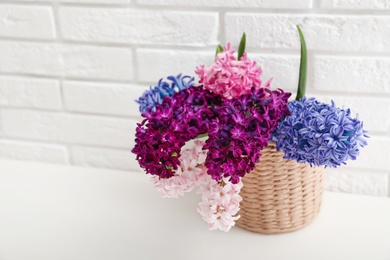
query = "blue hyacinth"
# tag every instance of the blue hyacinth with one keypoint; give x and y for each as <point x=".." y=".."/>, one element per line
<point x="319" y="134"/>
<point x="155" y="95"/>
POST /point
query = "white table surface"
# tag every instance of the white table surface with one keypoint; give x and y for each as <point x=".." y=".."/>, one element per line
<point x="65" y="212"/>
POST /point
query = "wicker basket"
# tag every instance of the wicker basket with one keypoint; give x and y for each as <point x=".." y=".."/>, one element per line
<point x="280" y="195"/>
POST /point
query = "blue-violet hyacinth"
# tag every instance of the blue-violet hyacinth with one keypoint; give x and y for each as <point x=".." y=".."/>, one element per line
<point x="241" y="130"/>
<point x="319" y="134"/>
<point x="155" y="95"/>
<point x="163" y="132"/>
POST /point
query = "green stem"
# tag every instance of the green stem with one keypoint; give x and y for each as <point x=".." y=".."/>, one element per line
<point x="201" y="136"/>
<point x="302" y="67"/>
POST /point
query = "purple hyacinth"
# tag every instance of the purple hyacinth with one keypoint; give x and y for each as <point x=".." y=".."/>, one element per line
<point x="319" y="134"/>
<point x="163" y="132"/>
<point x="241" y="130"/>
<point x="155" y="95"/>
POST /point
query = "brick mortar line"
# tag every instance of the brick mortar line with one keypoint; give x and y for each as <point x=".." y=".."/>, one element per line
<point x="1" y="126"/>
<point x="68" y="42"/>
<point x="375" y="95"/>
<point x="24" y="3"/>
<point x="347" y="94"/>
<point x="316" y="5"/>
<point x="92" y="80"/>
<point x="48" y="3"/>
<point x="314" y="12"/>
<point x="59" y="38"/>
<point x="353" y="54"/>
<point x="142" y="83"/>
<point x="135" y="64"/>
<point x="209" y="48"/>
<point x="238" y="9"/>
<point x="32" y="142"/>
<point x="63" y="103"/>
<point x="57" y="21"/>
<point x="54" y="143"/>
<point x="388" y="184"/>
<point x="35" y="109"/>
<point x="98" y="5"/>
<point x="382" y="96"/>
<point x="203" y="9"/>
<point x="45" y="76"/>
<point x="271" y="51"/>
<point x="138" y="7"/>
<point x="248" y="10"/>
<point x="72" y="113"/>
<point x="26" y="39"/>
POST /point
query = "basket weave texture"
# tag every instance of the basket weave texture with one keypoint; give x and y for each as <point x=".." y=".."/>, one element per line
<point x="280" y="195"/>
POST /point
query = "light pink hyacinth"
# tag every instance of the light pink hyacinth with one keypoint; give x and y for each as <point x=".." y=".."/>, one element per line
<point x="230" y="77"/>
<point x="191" y="173"/>
<point x="220" y="204"/>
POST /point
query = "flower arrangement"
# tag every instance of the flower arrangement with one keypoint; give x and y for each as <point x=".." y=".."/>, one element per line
<point x="237" y="114"/>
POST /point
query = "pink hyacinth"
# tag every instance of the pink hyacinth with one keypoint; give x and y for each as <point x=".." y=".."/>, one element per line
<point x="230" y="77"/>
<point x="220" y="204"/>
<point x="191" y="173"/>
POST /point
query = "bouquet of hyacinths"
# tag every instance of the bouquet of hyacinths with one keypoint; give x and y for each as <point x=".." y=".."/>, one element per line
<point x="237" y="114"/>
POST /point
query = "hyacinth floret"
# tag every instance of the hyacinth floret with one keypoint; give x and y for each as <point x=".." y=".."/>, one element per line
<point x="155" y="95"/>
<point x="220" y="203"/>
<point x="319" y="134"/>
<point x="163" y="132"/>
<point x="242" y="129"/>
<point x="230" y="77"/>
<point x="190" y="173"/>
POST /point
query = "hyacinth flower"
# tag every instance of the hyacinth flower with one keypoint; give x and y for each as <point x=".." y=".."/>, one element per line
<point x="231" y="77"/>
<point x="220" y="203"/>
<point x="155" y="95"/>
<point x="249" y="113"/>
<point x="191" y="173"/>
<point x="164" y="131"/>
<point x="315" y="132"/>
<point x="241" y="130"/>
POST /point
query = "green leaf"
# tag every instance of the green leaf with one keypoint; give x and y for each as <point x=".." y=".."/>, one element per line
<point x="218" y="50"/>
<point x="302" y="67"/>
<point x="202" y="135"/>
<point x="241" y="47"/>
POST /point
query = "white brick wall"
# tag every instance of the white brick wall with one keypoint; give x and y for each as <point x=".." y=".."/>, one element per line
<point x="68" y="128"/>
<point x="280" y="4"/>
<point x="35" y="22"/>
<point x="71" y="69"/>
<point x="102" y="98"/>
<point x="355" y="74"/>
<point x="132" y="26"/>
<point x="323" y="32"/>
<point x="30" y="93"/>
<point x="33" y="151"/>
<point x="62" y="60"/>
<point x="356" y="4"/>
